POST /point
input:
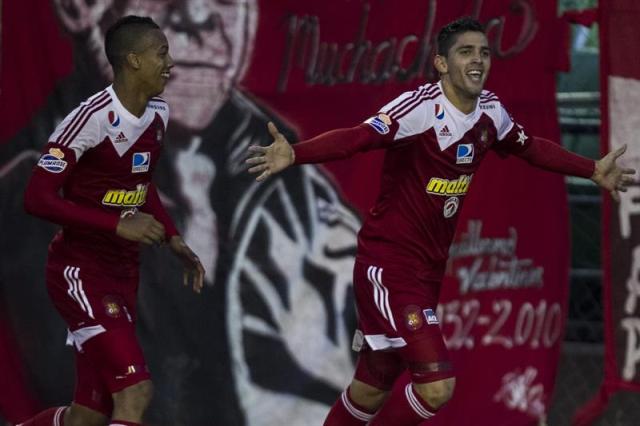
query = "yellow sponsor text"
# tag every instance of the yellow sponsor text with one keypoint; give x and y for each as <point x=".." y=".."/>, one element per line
<point x="449" y="187"/>
<point x="124" y="198"/>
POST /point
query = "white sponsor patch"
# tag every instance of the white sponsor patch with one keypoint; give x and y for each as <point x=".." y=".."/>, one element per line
<point x="380" y="123"/>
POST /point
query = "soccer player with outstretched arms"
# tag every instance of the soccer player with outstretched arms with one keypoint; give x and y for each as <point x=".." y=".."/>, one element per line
<point x="435" y="138"/>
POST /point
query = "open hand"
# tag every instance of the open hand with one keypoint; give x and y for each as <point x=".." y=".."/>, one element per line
<point x="192" y="266"/>
<point x="268" y="160"/>
<point x="612" y="177"/>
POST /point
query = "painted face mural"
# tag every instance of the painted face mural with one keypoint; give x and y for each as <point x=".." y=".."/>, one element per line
<point x="278" y="256"/>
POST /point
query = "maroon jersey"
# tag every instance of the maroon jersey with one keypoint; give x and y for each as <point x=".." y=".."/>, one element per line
<point x="101" y="157"/>
<point x="433" y="152"/>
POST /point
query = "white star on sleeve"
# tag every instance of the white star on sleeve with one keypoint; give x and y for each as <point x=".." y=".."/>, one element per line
<point x="522" y="137"/>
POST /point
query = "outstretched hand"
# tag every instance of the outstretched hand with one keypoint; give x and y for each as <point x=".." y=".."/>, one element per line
<point x="268" y="160"/>
<point x="192" y="265"/>
<point x="612" y="177"/>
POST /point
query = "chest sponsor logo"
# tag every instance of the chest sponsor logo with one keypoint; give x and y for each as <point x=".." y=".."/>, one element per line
<point x="124" y="198"/>
<point x="114" y="119"/>
<point x="53" y="161"/>
<point x="430" y="317"/>
<point x="464" y="154"/>
<point x="448" y="187"/>
<point x="380" y="123"/>
<point x="121" y="138"/>
<point x="140" y="162"/>
<point x="439" y="112"/>
<point x="445" y="132"/>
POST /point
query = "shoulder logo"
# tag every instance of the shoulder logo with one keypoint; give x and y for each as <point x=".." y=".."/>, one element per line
<point x="465" y="153"/>
<point x="53" y="161"/>
<point x="445" y="133"/>
<point x="380" y="123"/>
<point x="113" y="119"/>
<point x="140" y="162"/>
<point x="121" y="138"/>
<point x="439" y="112"/>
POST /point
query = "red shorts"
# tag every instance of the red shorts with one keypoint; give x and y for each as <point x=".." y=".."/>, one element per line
<point x="100" y="312"/>
<point x="397" y="313"/>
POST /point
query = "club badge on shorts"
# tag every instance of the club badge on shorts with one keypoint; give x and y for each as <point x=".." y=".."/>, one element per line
<point x="112" y="306"/>
<point x="413" y="317"/>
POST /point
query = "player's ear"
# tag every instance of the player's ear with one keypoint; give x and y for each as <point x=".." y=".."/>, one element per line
<point x="440" y="62"/>
<point x="133" y="60"/>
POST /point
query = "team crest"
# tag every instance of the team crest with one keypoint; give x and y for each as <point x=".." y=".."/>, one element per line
<point x="412" y="318"/>
<point x="112" y="306"/>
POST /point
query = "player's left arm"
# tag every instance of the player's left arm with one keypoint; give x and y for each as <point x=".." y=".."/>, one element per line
<point x="605" y="172"/>
<point x="550" y="156"/>
<point x="192" y="267"/>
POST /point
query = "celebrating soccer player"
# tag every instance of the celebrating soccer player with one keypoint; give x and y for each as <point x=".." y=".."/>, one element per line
<point x="94" y="179"/>
<point x="435" y="138"/>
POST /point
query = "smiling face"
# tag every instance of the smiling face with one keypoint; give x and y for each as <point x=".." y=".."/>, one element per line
<point x="154" y="62"/>
<point x="210" y="42"/>
<point x="465" y="67"/>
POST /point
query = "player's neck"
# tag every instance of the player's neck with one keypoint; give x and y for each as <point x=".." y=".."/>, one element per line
<point x="130" y="96"/>
<point x="464" y="104"/>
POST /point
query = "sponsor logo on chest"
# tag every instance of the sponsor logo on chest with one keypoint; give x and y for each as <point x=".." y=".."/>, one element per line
<point x="140" y="162"/>
<point x="125" y="198"/>
<point x="464" y="153"/>
<point x="449" y="187"/>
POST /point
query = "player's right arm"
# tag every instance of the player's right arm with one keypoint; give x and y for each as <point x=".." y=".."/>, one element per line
<point x="43" y="197"/>
<point x="399" y="119"/>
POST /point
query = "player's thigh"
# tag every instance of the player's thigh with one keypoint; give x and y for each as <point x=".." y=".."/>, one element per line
<point x="90" y="300"/>
<point x="378" y="369"/>
<point x="91" y="396"/>
<point x="397" y="311"/>
<point x="118" y="357"/>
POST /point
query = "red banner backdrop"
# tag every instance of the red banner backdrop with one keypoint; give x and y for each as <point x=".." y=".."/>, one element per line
<point x="321" y="65"/>
<point x="620" y="88"/>
<point x="504" y="299"/>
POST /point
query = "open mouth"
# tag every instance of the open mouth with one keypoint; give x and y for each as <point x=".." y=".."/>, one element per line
<point x="475" y="75"/>
<point x="166" y="75"/>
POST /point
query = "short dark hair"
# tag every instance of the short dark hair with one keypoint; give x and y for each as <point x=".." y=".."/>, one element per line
<point x="123" y="37"/>
<point x="449" y="33"/>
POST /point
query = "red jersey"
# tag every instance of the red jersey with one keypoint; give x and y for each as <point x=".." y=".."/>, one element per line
<point x="432" y="153"/>
<point x="101" y="158"/>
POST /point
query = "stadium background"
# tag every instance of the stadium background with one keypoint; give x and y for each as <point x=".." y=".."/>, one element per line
<point x="536" y="367"/>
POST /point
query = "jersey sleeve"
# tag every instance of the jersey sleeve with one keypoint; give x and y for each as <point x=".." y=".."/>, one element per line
<point x="397" y="120"/>
<point x="42" y="197"/>
<point x="406" y="114"/>
<point x="79" y="131"/>
<point x="512" y="137"/>
<point x="154" y="207"/>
